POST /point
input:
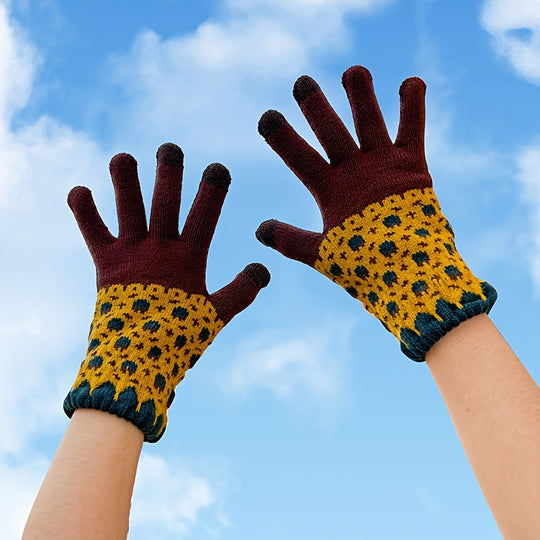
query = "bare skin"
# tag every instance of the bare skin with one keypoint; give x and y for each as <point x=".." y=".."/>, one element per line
<point x="495" y="407"/>
<point x="88" y="487"/>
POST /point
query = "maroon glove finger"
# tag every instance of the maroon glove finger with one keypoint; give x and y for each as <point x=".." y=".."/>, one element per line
<point x="204" y="213"/>
<point x="325" y="123"/>
<point x="167" y="191"/>
<point x="299" y="156"/>
<point x="412" y="117"/>
<point x="368" y="119"/>
<point x="292" y="242"/>
<point x="94" y="231"/>
<point x="240" y="292"/>
<point x="129" y="201"/>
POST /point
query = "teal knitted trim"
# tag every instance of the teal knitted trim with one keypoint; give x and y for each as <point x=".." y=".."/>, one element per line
<point x="415" y="345"/>
<point x="125" y="406"/>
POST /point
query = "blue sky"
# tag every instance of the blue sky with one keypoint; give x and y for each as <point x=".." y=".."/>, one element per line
<point x="303" y="420"/>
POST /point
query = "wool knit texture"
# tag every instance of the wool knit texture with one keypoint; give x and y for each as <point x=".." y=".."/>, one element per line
<point x="398" y="257"/>
<point x="154" y="316"/>
<point x="384" y="238"/>
<point x="143" y="339"/>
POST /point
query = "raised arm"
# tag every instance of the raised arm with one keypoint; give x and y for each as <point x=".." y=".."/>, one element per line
<point x="495" y="406"/>
<point x="386" y="241"/>
<point x="153" y="320"/>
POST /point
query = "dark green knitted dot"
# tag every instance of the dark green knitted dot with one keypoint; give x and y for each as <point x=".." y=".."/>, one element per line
<point x="452" y="271"/>
<point x="467" y="297"/>
<point x="180" y="312"/>
<point x="356" y="242"/>
<point x="129" y="366"/>
<point x="449" y="248"/>
<point x="175" y="370"/>
<point x="362" y="272"/>
<point x="204" y="334"/>
<point x="336" y="270"/>
<point x="122" y="343"/>
<point x="115" y="324"/>
<point x="180" y="341"/>
<point x="391" y="221"/>
<point x="352" y="291"/>
<point x="373" y="297"/>
<point x="448" y="227"/>
<point x="160" y="382"/>
<point x="193" y="359"/>
<point x="420" y="257"/>
<point x="94" y="344"/>
<point x="141" y="305"/>
<point x="151" y="326"/>
<point x="392" y="308"/>
<point x="418" y="287"/>
<point x="154" y="352"/>
<point x="105" y="308"/>
<point x="428" y="209"/>
<point x="95" y="362"/>
<point x="388" y="248"/>
<point x="389" y="277"/>
<point x="422" y="232"/>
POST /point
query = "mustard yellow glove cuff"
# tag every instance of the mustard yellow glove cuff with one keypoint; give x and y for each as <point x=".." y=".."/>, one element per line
<point x="142" y="341"/>
<point x="399" y="258"/>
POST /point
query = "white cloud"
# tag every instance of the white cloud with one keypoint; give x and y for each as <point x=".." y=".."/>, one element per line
<point x="515" y="29"/>
<point x="48" y="310"/>
<point x="209" y="88"/>
<point x="169" y="499"/>
<point x="18" y="487"/>
<point x="305" y="367"/>
<point x="309" y="7"/>
<point x="41" y="321"/>
<point x="17" y="65"/>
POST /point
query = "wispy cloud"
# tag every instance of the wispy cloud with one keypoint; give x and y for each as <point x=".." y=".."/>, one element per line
<point x="39" y="163"/>
<point x="515" y="31"/>
<point x="224" y="73"/>
<point x="308" y="366"/>
<point x="40" y="320"/>
<point x="18" y="488"/>
<point x="169" y="500"/>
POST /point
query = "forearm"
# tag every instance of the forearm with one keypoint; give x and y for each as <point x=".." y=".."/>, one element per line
<point x="495" y="407"/>
<point x="88" y="487"/>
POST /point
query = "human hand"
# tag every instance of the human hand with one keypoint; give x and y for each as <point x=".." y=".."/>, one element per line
<point x="154" y="316"/>
<point x="384" y="239"/>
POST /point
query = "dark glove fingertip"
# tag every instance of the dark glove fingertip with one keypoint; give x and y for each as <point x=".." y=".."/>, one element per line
<point x="258" y="273"/>
<point x="270" y="122"/>
<point x="76" y="194"/>
<point x="265" y="233"/>
<point x="217" y="175"/>
<point x="170" y="154"/>
<point x="355" y="72"/>
<point x="122" y="161"/>
<point x="412" y="82"/>
<point x="304" y="87"/>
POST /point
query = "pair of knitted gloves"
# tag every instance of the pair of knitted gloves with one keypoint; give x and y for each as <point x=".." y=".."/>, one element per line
<point x="384" y="239"/>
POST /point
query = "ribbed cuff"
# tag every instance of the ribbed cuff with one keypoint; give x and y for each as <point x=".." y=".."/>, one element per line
<point x="429" y="329"/>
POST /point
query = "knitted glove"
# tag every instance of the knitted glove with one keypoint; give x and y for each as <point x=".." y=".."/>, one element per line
<point x="385" y="239"/>
<point x="154" y="316"/>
